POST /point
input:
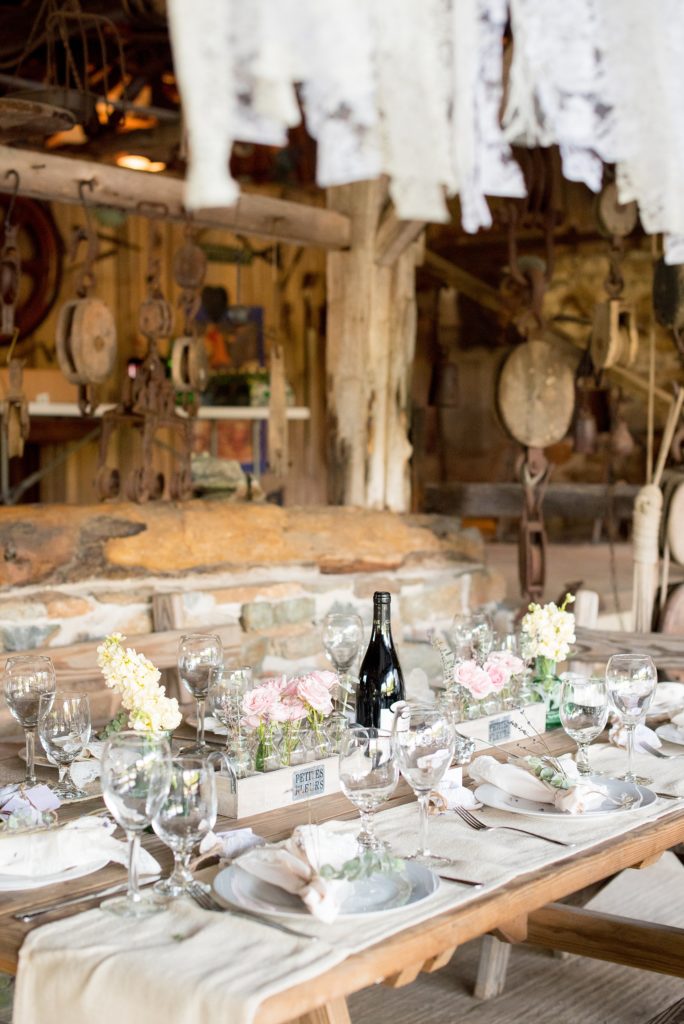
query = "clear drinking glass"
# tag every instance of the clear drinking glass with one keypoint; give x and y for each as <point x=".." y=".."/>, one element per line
<point x="342" y="638"/>
<point x="199" y="655"/>
<point x="227" y="688"/>
<point x="631" y="681"/>
<point x="471" y="635"/>
<point x="27" y="678"/>
<point x="136" y="774"/>
<point x="64" y="730"/>
<point x="368" y="776"/>
<point x="186" y="815"/>
<point x="423" y="742"/>
<point x="584" y="712"/>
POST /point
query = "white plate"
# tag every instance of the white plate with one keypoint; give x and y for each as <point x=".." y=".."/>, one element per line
<point x="233" y="885"/>
<point x="210" y="725"/>
<point x="492" y="796"/>
<point x="668" y="699"/>
<point x="10" y="883"/>
<point x="671" y="733"/>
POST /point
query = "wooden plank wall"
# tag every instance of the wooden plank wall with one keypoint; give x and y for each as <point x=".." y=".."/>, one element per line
<point x="299" y="318"/>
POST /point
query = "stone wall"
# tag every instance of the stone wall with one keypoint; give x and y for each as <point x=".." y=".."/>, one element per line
<point x="72" y="574"/>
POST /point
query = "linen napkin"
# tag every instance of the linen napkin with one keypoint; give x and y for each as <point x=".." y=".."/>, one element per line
<point x="642" y="734"/>
<point x="452" y="793"/>
<point x="228" y="845"/>
<point x="79" y="842"/>
<point x="27" y="806"/>
<point x="583" y="795"/>
<point x="295" y="867"/>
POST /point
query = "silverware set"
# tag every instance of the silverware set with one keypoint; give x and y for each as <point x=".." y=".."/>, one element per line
<point x="206" y="901"/>
<point x="659" y="753"/>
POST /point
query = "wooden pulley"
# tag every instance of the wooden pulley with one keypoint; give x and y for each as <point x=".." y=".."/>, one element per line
<point x="615" y="218"/>
<point x="181" y="485"/>
<point x="189" y="265"/>
<point x="674" y="529"/>
<point x="189" y="364"/>
<point x="155" y="319"/>
<point x="107" y="483"/>
<point x="614" y="335"/>
<point x="536" y="394"/>
<point x="86" y="341"/>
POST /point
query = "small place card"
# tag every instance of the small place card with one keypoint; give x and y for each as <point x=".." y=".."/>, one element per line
<point x="500" y="729"/>
<point x="308" y="782"/>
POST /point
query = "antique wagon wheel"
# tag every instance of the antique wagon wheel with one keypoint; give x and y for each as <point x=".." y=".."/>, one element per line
<point x="40" y="249"/>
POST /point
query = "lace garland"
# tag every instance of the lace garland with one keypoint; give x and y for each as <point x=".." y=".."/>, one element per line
<point x="413" y="90"/>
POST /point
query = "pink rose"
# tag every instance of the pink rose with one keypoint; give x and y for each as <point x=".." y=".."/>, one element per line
<point x="277" y="686"/>
<point x="289" y="709"/>
<point x="473" y="678"/>
<point x="509" y="661"/>
<point x="314" y="694"/>
<point x="258" y="704"/>
<point x="499" y="676"/>
<point x="324" y="676"/>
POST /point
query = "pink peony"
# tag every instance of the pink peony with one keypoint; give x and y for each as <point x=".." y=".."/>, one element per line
<point x="512" y="662"/>
<point x="258" y="705"/>
<point x="277" y="686"/>
<point x="473" y="678"/>
<point x="324" y="676"/>
<point x="499" y="676"/>
<point x="314" y="694"/>
<point x="289" y="709"/>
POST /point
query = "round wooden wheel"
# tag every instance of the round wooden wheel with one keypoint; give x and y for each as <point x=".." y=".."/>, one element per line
<point x="86" y="341"/>
<point x="614" y="217"/>
<point x="138" y="485"/>
<point x="156" y="318"/>
<point x="181" y="485"/>
<point x="189" y="364"/>
<point x="536" y="394"/>
<point x="107" y="483"/>
<point x="40" y="252"/>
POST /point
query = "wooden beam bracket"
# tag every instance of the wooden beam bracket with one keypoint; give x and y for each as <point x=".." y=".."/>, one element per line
<point x="512" y="931"/>
<point x="394" y="236"/>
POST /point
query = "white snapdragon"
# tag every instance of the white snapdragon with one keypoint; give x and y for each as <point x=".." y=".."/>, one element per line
<point x="136" y="679"/>
<point x="550" y="630"/>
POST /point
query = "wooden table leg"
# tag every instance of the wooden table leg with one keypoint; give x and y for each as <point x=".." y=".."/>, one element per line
<point x="335" y="1012"/>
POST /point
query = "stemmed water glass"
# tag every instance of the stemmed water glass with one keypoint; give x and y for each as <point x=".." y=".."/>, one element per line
<point x="471" y="635"/>
<point x="135" y="770"/>
<point x="368" y="776"/>
<point x="227" y="689"/>
<point x="27" y="678"/>
<point x="423" y="742"/>
<point x="199" y="655"/>
<point x="342" y="638"/>
<point x="631" y="681"/>
<point x="584" y="712"/>
<point x="64" y="730"/>
<point x="187" y="814"/>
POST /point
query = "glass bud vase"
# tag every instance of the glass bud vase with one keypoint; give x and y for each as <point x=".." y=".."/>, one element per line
<point x="546" y="684"/>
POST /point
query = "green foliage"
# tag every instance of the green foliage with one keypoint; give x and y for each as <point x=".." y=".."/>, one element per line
<point x="118" y="724"/>
<point x="367" y="864"/>
<point x="540" y="767"/>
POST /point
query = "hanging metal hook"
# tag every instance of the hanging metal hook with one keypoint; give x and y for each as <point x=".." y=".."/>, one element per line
<point x="10" y="208"/>
<point x="86" y="278"/>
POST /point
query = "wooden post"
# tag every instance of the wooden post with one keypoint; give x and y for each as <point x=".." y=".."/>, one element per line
<point x="370" y="347"/>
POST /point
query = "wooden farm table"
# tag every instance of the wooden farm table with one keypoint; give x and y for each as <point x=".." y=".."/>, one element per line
<point x="523" y="910"/>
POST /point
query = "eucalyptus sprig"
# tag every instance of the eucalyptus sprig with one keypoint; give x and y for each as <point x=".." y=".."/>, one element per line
<point x="540" y="767"/>
<point x="367" y="864"/>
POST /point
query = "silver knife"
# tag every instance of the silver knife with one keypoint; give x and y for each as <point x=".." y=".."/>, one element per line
<point x="111" y="890"/>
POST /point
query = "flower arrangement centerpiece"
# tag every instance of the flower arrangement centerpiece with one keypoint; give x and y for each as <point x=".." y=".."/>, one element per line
<point x="549" y="632"/>
<point x="487" y="684"/>
<point x="145" y="706"/>
<point x="287" y="718"/>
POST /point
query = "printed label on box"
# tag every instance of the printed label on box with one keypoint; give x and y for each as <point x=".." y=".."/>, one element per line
<point x="308" y="782"/>
<point x="500" y="729"/>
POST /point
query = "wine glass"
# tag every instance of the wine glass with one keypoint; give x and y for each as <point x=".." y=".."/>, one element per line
<point x="342" y="638"/>
<point x="227" y="688"/>
<point x="64" y="730"/>
<point x="481" y="636"/>
<point x="187" y="814"/>
<point x="423" y="742"/>
<point x="631" y="681"/>
<point x="199" y="655"/>
<point x="368" y="776"/>
<point x="27" y="678"/>
<point x="135" y="770"/>
<point x="583" y="712"/>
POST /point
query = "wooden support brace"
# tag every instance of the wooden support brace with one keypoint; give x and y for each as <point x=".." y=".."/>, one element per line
<point x="491" y="971"/>
<point x="435" y="963"/>
<point x="619" y="940"/>
<point x="394" y="236"/>
<point x="335" y="1012"/>
<point x="514" y="930"/>
<point x="648" y="861"/>
<point x="405" y="977"/>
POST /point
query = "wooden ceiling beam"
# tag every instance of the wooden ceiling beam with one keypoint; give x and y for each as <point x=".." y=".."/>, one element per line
<point x="56" y="179"/>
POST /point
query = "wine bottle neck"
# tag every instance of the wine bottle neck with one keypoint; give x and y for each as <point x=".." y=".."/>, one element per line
<point x="381" y="621"/>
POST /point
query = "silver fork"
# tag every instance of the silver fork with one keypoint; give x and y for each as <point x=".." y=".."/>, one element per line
<point x="659" y="753"/>
<point x="207" y="902"/>
<point x="480" y="826"/>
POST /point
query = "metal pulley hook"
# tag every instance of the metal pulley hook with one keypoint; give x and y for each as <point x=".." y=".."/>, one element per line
<point x="13" y="199"/>
<point x="87" y="278"/>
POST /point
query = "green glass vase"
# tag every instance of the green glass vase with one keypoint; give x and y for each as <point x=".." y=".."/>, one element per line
<point x="546" y="684"/>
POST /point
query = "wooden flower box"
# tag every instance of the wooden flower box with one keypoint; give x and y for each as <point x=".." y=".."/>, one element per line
<point x="267" y="791"/>
<point x="506" y="726"/>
